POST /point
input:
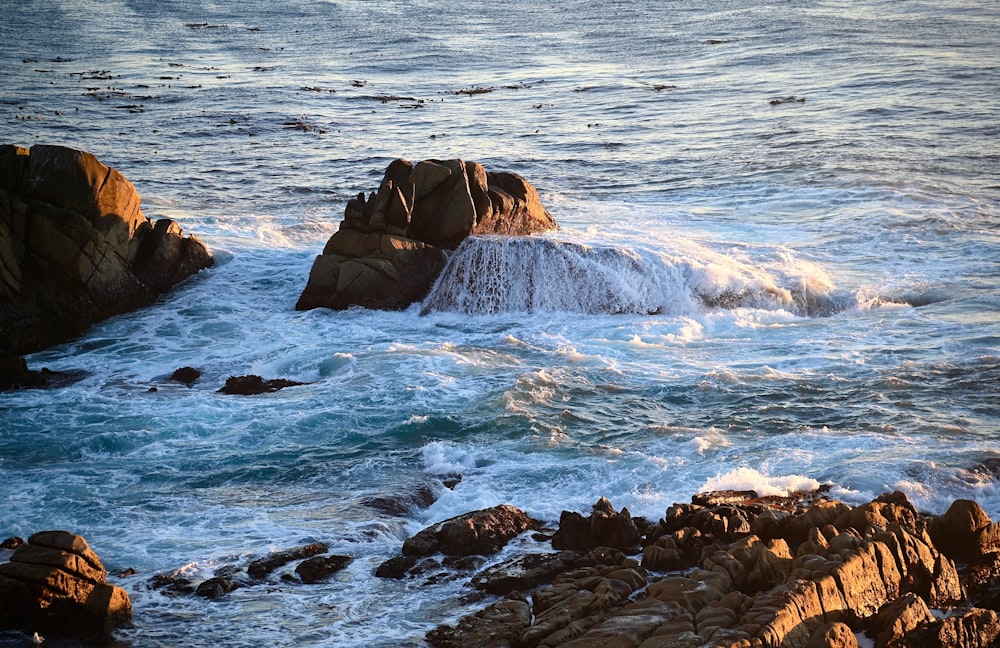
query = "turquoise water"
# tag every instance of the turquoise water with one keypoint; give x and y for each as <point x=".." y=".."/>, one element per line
<point x="822" y="275"/>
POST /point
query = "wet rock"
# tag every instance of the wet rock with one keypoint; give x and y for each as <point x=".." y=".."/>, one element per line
<point x="56" y="584"/>
<point x="479" y="532"/>
<point x="261" y="567"/>
<point x="391" y="245"/>
<point x="216" y="587"/>
<point x="75" y="247"/>
<point x="498" y="626"/>
<point x="186" y="375"/>
<point x="251" y="384"/>
<point x="318" y="568"/>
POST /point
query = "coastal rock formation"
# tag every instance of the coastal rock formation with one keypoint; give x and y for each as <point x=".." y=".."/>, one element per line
<point x="75" y="247"/>
<point x="391" y="246"/>
<point x="56" y="584"/>
<point x="742" y="571"/>
<point x="314" y="566"/>
<point x="253" y="384"/>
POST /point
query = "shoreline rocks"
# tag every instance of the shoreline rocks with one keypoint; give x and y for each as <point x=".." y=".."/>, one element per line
<point x="392" y="245"/>
<point x="75" y="247"/>
<point x="732" y="569"/>
<point x="55" y="584"/>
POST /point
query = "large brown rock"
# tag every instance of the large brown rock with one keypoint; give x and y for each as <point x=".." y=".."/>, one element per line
<point x="391" y="245"/>
<point x="482" y="532"/>
<point x="56" y="584"/>
<point x="75" y="247"/>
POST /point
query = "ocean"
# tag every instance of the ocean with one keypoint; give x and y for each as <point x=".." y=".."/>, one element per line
<point x="778" y="266"/>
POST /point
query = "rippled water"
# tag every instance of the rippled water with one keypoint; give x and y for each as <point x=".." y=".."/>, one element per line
<point x="779" y="265"/>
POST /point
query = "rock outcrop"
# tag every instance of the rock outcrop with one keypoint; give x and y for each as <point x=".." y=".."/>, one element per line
<point x="740" y="571"/>
<point x="75" y="247"/>
<point x="56" y="584"/>
<point x="391" y="246"/>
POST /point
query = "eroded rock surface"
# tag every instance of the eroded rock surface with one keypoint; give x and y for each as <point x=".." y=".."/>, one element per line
<point x="741" y="571"/>
<point x="391" y="245"/>
<point x="55" y="584"/>
<point x="75" y="247"/>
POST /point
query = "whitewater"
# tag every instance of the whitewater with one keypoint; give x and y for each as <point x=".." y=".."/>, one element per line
<point x="778" y="266"/>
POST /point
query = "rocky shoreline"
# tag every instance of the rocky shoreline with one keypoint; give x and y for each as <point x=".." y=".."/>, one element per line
<point x="730" y="569"/>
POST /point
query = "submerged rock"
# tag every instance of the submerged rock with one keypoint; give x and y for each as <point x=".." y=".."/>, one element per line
<point x="75" y="247"/>
<point x="56" y="584"/>
<point x="391" y="245"/>
<point x="251" y="384"/>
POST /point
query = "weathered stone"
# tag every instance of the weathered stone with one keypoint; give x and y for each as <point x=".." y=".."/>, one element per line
<point x="898" y="618"/>
<point x="261" y="567"/>
<point x="186" y="375"/>
<point x="425" y="209"/>
<point x="319" y="568"/>
<point x="75" y="247"/>
<point x="498" y="626"/>
<point x="56" y="584"/>
<point x="605" y="527"/>
<point x="833" y="635"/>
<point x="479" y="532"/>
<point x="960" y="532"/>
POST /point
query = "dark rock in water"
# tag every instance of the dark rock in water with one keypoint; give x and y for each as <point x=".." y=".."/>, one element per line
<point x="186" y="375"/>
<point x="249" y="385"/>
<point x="262" y="567"/>
<point x="319" y="568"/>
<point x="216" y="587"/>
<point x="481" y="532"/>
<point x="55" y="584"/>
<point x="75" y="247"/>
<point x="396" y="567"/>
<point x="14" y="373"/>
<point x="391" y="245"/>
<point x="420" y="497"/>
<point x="172" y="584"/>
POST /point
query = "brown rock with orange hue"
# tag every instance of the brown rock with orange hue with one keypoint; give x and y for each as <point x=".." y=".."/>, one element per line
<point x="873" y="568"/>
<point x="391" y="245"/>
<point x="75" y="247"/>
<point x="56" y="584"/>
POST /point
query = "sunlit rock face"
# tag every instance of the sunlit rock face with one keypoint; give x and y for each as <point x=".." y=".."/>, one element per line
<point x="392" y="245"/>
<point x="75" y="247"/>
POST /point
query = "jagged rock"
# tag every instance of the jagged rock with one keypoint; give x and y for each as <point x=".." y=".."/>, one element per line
<point x="883" y="577"/>
<point x="249" y="385"/>
<point x="75" y="247"/>
<point x="498" y="626"/>
<point x="480" y="532"/>
<point x="14" y="373"/>
<point x="57" y="585"/>
<point x="391" y="245"/>
<point x="605" y="527"/>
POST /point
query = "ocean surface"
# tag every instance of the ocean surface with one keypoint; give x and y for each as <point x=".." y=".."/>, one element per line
<point x="778" y="267"/>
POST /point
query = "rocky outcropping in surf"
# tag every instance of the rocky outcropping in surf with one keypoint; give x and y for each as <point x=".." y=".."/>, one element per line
<point x="732" y="569"/>
<point x="55" y="584"/>
<point x="75" y="247"/>
<point x="391" y="246"/>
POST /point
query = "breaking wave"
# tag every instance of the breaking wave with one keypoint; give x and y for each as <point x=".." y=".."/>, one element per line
<point x="493" y="274"/>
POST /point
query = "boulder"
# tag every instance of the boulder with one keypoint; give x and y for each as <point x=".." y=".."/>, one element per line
<point x="605" y="527"/>
<point x="391" y="246"/>
<point x="965" y="532"/>
<point x="56" y="584"/>
<point x="480" y="532"/>
<point x="253" y="384"/>
<point x="75" y="247"/>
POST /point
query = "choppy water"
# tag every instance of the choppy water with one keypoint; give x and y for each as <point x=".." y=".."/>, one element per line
<point x="748" y="289"/>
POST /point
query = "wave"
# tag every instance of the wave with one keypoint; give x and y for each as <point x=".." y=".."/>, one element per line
<point x="493" y="274"/>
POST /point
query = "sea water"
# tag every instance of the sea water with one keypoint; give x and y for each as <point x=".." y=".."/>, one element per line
<point x="778" y="267"/>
